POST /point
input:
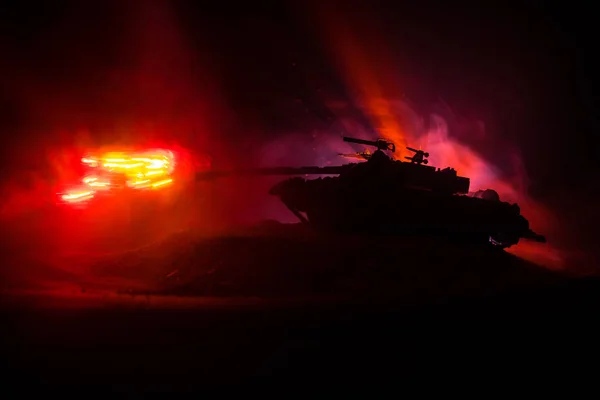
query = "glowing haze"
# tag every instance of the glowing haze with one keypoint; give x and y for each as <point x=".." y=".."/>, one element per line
<point x="164" y="97"/>
<point x="359" y="50"/>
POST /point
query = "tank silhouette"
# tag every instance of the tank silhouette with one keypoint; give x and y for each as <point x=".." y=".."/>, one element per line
<point x="383" y="196"/>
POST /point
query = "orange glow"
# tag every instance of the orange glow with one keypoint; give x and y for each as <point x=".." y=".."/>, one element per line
<point x="366" y="66"/>
<point x="140" y="170"/>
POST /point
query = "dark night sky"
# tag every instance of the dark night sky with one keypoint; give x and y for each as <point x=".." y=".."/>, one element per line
<point x="526" y="70"/>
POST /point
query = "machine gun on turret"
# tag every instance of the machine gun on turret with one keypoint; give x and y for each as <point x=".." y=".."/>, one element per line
<point x="419" y="157"/>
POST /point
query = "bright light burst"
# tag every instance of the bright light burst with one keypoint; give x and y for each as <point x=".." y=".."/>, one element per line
<point x="111" y="171"/>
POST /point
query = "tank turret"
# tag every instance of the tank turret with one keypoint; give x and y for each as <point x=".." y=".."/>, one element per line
<point x="384" y="196"/>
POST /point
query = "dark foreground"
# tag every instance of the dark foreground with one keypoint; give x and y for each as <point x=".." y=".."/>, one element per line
<point x="244" y="308"/>
<point x="519" y="334"/>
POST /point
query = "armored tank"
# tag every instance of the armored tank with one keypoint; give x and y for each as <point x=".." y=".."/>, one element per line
<point x="384" y="196"/>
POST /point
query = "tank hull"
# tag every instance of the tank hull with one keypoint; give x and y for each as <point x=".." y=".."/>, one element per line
<point x="330" y="205"/>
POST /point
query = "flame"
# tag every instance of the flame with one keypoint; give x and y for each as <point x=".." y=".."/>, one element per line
<point x="142" y="170"/>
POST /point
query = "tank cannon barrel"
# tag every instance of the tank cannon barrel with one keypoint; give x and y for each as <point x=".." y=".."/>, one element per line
<point x="335" y="170"/>
<point x="381" y="144"/>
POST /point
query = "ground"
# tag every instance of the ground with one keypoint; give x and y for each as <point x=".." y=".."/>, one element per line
<point x="278" y="301"/>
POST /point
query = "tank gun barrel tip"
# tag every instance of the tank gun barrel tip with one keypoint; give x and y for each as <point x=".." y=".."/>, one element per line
<point x="540" y="238"/>
<point x="536" y="237"/>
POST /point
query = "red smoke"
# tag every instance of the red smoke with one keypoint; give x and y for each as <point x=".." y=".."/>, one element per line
<point x="148" y="90"/>
<point x="359" y="50"/>
<point x="159" y="93"/>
